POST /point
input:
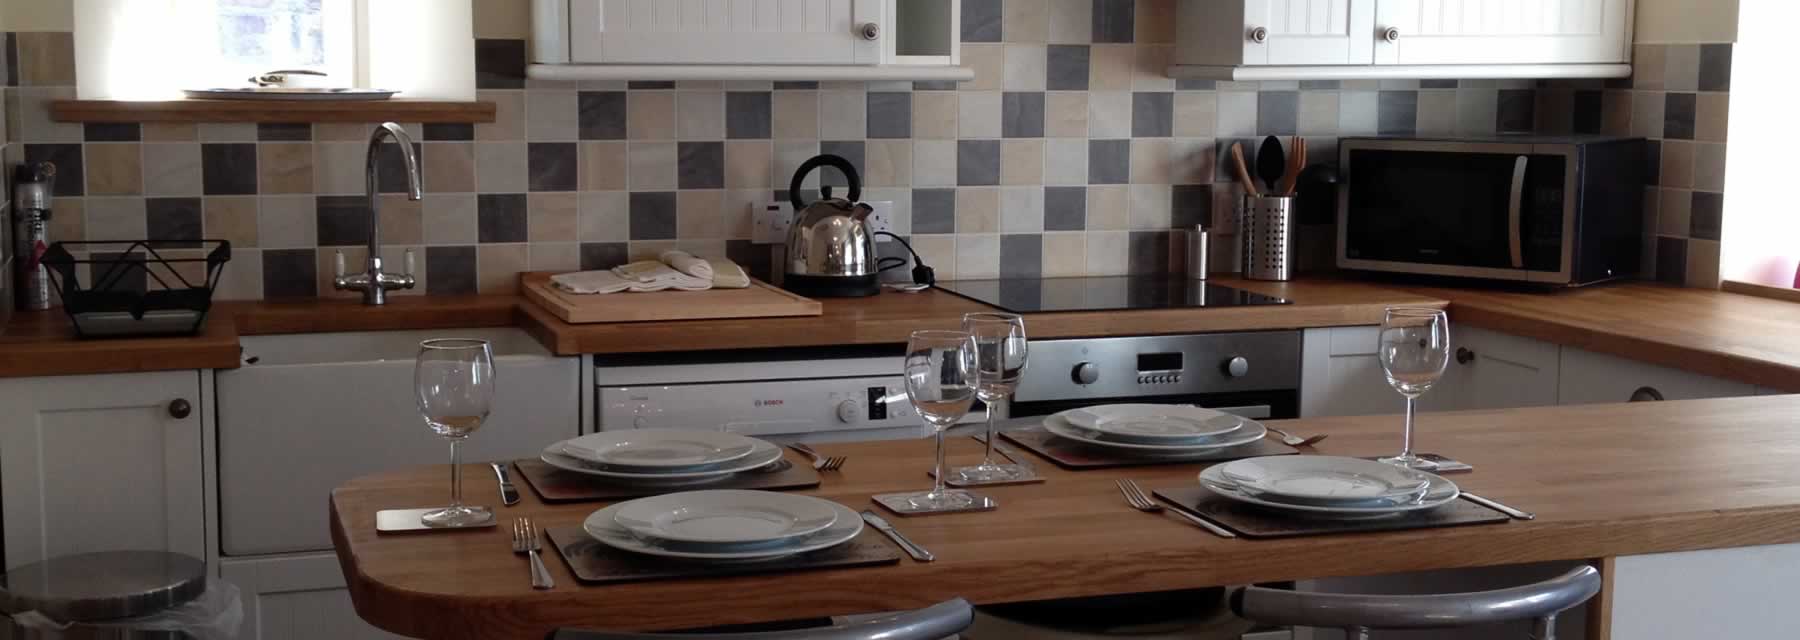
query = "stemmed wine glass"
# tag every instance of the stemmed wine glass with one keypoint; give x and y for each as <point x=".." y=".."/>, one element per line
<point x="1414" y="349"/>
<point x="454" y="378"/>
<point x="1000" y="358"/>
<point x="941" y="376"/>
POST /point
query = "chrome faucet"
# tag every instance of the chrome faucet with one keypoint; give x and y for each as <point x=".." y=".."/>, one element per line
<point x="373" y="282"/>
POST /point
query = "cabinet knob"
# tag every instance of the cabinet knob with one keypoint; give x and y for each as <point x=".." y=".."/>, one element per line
<point x="1646" y="394"/>
<point x="1392" y="34"/>
<point x="1259" y="35"/>
<point x="180" y="409"/>
<point x="1464" y="355"/>
<point x="870" y="31"/>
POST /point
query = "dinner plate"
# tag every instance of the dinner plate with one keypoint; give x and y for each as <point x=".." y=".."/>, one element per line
<point x="1325" y="479"/>
<point x="604" y="527"/>
<point x="765" y="453"/>
<point x="725" y="516"/>
<point x="1251" y="431"/>
<point x="1442" y="491"/>
<point x="651" y="450"/>
<point x="1154" y="423"/>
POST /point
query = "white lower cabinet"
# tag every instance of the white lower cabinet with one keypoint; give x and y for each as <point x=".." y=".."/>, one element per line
<point x="1491" y="370"/>
<point x="103" y="463"/>
<point x="1341" y="375"/>
<point x="1592" y="378"/>
<point x="296" y="597"/>
<point x="1746" y="592"/>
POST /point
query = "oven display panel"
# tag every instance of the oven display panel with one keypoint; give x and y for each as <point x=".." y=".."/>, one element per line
<point x="1148" y="362"/>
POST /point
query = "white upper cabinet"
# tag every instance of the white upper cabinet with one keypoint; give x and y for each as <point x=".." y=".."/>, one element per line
<point x="1502" y="31"/>
<point x="726" y="31"/>
<point x="1276" y="32"/>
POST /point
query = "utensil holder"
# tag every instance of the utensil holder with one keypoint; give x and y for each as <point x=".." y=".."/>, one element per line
<point x="1268" y="245"/>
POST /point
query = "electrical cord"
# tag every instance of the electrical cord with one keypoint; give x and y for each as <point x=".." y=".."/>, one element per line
<point x="921" y="274"/>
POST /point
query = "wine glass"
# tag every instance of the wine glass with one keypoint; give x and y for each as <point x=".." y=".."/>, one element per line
<point x="1414" y="349"/>
<point x="941" y="377"/>
<point x="1000" y="359"/>
<point x="454" y="378"/>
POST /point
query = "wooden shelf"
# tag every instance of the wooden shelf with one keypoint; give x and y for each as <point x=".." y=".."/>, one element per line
<point x="422" y="111"/>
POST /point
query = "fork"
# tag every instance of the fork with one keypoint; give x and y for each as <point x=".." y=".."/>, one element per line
<point x="1297" y="441"/>
<point x="525" y="540"/>
<point x="820" y="462"/>
<point x="1135" y="496"/>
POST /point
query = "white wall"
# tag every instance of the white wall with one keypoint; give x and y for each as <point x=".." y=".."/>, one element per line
<point x="1761" y="239"/>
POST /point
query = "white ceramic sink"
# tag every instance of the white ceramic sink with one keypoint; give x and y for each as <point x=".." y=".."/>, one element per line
<point x="308" y="412"/>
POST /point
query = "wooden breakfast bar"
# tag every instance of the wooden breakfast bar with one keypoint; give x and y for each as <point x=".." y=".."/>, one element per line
<point x="1604" y="480"/>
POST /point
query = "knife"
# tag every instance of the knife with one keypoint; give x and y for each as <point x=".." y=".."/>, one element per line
<point x="509" y="494"/>
<point x="1515" y="513"/>
<point x="912" y="549"/>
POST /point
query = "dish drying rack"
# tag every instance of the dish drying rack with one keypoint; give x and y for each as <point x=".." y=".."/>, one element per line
<point x="116" y="303"/>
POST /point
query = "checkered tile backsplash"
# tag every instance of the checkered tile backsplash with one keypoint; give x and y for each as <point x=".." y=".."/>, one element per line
<point x="1069" y="154"/>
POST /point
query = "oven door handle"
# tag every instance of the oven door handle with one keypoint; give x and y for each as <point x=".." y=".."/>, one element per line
<point x="1514" y="221"/>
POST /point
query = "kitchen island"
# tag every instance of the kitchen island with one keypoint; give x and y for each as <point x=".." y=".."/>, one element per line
<point x="1606" y="481"/>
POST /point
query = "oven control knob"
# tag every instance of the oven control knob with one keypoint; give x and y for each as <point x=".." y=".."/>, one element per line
<point x="848" y="412"/>
<point x="639" y="423"/>
<point x="1237" y="367"/>
<point x="1085" y="373"/>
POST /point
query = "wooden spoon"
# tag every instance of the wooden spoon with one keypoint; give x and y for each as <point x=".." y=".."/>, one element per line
<point x="1242" y="169"/>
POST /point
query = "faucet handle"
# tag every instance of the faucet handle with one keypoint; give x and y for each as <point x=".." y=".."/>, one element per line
<point x="337" y="266"/>
<point x="410" y="264"/>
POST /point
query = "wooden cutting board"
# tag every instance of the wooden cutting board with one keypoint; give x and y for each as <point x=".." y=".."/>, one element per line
<point x="760" y="300"/>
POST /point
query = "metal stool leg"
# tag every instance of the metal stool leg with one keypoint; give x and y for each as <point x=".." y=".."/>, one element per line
<point x="1544" y="628"/>
<point x="1356" y="633"/>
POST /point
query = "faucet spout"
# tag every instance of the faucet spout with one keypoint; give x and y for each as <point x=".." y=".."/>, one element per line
<point x="373" y="282"/>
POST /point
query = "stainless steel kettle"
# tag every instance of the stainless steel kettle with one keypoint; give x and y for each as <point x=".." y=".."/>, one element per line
<point x="830" y="247"/>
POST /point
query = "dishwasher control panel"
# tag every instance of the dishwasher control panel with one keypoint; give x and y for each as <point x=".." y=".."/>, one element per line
<point x="762" y="408"/>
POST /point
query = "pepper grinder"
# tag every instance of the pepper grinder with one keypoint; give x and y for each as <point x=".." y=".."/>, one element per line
<point x="33" y="184"/>
<point x="1198" y="243"/>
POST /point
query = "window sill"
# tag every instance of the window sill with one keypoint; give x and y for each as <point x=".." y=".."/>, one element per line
<point x="420" y="111"/>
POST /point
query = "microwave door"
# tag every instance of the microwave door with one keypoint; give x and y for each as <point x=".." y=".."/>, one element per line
<point x="1446" y="212"/>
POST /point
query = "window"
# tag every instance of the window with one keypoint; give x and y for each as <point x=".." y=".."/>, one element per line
<point x="256" y="36"/>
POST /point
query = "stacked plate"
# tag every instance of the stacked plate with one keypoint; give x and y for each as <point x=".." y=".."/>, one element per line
<point x="1328" y="486"/>
<point x="661" y="456"/>
<point x="1155" y="429"/>
<point x="724" y="525"/>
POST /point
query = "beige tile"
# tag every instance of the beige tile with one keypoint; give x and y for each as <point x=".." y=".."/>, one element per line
<point x="978" y="114"/>
<point x="699" y="215"/>
<point x="1615" y="113"/>
<point x="1108" y="253"/>
<point x="934" y="163"/>
<point x="977" y="255"/>
<point x="69" y="221"/>
<point x="500" y="167"/>
<point x="977" y="210"/>
<point x="338" y="166"/>
<point x="174" y="169"/>
<point x="1712" y="117"/>
<point x="1022" y="209"/>
<point x="604" y="217"/>
<point x="1022" y="162"/>
<point x="1107" y="208"/>
<point x="242" y="280"/>
<point x="1151" y="68"/>
<point x="450" y="219"/>
<point x="114" y="169"/>
<point x="1195" y="112"/>
<point x="34" y="123"/>
<point x="46" y="58"/>
<point x="1066" y="114"/>
<point x="1066" y="161"/>
<point x="1151" y="161"/>
<point x="1065" y="254"/>
<point x="555" y="256"/>
<point x="231" y="218"/>
<point x="508" y="19"/>
<point x="169" y="132"/>
<point x="497" y="267"/>
<point x="1436" y="114"/>
<point x="1155" y="21"/>
<point x="648" y="249"/>
<point x="1111" y="67"/>
<point x="939" y="251"/>
<point x="1647" y="114"/>
<point x="1703" y="264"/>
<point x="1025" y="67"/>
<point x="402" y="220"/>
<point x="651" y="165"/>
<point x="551" y="217"/>
<point x="934" y="115"/>
<point x="359" y="131"/>
<point x="1193" y="160"/>
<point x="509" y="116"/>
<point x="284" y="167"/>
<point x="887" y="163"/>
<point x="740" y="206"/>
<point x="1109" y="114"/>
<point x="843" y="115"/>
<point x="1025" y="20"/>
<point x="552" y="116"/>
<point x="988" y="61"/>
<point x="449" y="167"/>
<point x="796" y="115"/>
<point x="115" y="218"/>
<point x="700" y="115"/>
<point x="650" y="115"/>
<point x="602" y="166"/>
<point x="288" y="222"/>
<point x="749" y="164"/>
<point x="1709" y="167"/>
<point x="1647" y="64"/>
<point x="1673" y="213"/>
<point x="1677" y="164"/>
<point x="1071" y="21"/>
<point x="1149" y="206"/>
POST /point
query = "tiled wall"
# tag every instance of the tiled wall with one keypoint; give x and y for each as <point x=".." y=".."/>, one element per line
<point x="1069" y="154"/>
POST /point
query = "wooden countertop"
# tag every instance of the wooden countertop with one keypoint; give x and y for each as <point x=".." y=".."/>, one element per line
<point x="1604" y="480"/>
<point x="43" y="343"/>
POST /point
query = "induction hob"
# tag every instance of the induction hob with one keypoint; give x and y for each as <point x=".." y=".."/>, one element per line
<point x="1108" y="293"/>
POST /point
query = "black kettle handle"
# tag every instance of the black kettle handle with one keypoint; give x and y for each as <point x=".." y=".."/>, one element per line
<point x="824" y="160"/>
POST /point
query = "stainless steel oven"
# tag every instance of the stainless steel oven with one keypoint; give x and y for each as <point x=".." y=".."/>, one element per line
<point x="1254" y="374"/>
<point x="1551" y="210"/>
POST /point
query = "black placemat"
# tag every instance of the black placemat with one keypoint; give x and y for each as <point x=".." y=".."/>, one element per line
<point x="555" y="485"/>
<point x="1074" y="455"/>
<point x="595" y="563"/>
<point x="1252" y="522"/>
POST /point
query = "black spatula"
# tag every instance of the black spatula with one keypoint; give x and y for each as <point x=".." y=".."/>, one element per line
<point x="1271" y="163"/>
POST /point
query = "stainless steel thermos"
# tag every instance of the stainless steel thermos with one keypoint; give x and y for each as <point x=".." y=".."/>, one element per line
<point x="33" y="184"/>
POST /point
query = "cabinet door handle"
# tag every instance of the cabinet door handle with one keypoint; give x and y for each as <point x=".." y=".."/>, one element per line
<point x="1392" y="34"/>
<point x="1464" y="355"/>
<point x="1646" y="394"/>
<point x="180" y="409"/>
<point x="1259" y="35"/>
<point x="870" y="31"/>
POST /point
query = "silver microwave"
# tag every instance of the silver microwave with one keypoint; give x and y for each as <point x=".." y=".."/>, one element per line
<point x="1548" y="210"/>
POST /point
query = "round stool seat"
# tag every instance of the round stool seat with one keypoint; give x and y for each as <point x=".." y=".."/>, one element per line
<point x="109" y="585"/>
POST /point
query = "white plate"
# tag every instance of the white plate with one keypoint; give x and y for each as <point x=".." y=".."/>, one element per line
<point x="602" y="526"/>
<point x="1154" y="423"/>
<point x="1441" y="492"/>
<point x="1251" y="431"/>
<point x="289" y="93"/>
<point x="725" y="516"/>
<point x="764" y="454"/>
<point x="651" y="450"/>
<point x="1325" y="479"/>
